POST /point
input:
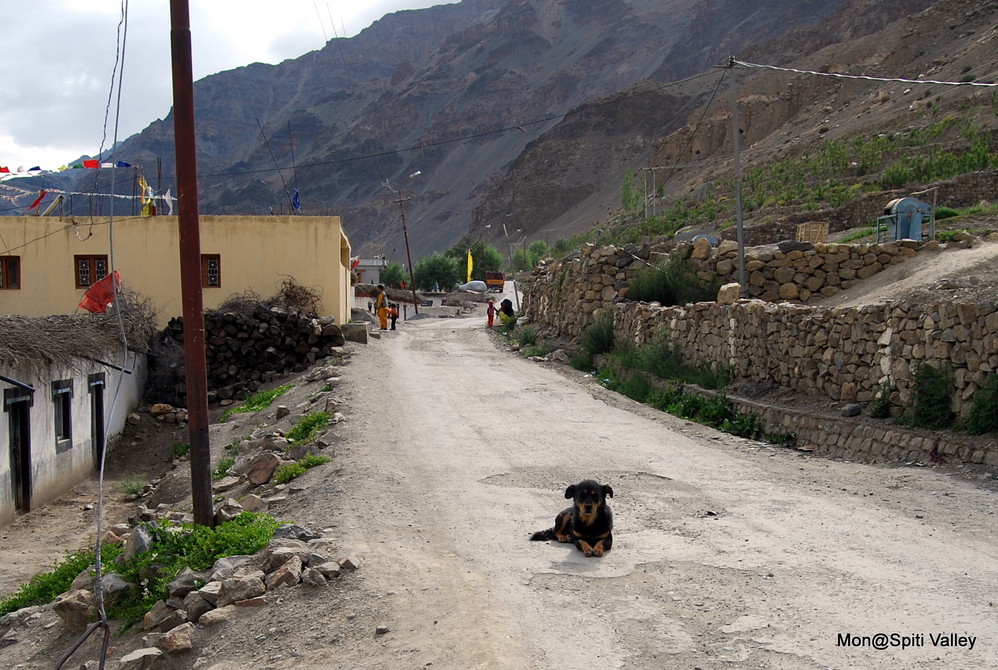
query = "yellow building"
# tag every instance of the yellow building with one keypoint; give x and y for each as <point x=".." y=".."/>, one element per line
<point x="47" y="263"/>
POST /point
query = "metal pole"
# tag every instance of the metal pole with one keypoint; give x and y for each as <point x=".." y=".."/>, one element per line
<point x="408" y="255"/>
<point x="190" y="262"/>
<point x="736" y="144"/>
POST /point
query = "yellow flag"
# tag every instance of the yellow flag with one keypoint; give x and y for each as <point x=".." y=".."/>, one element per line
<point x="144" y="188"/>
<point x="470" y="264"/>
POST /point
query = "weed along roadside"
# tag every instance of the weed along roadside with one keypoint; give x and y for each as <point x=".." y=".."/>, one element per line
<point x="165" y="578"/>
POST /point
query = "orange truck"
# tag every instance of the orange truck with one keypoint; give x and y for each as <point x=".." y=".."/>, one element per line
<point x="495" y="281"/>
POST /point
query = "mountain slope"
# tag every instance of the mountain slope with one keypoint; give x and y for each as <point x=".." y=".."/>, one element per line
<point x="514" y="112"/>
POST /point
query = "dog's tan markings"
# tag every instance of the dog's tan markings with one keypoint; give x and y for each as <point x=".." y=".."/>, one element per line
<point x="561" y="533"/>
<point x="587" y="550"/>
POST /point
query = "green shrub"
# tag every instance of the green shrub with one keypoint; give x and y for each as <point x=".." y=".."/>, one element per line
<point x="311" y="460"/>
<point x="983" y="415"/>
<point x="933" y="390"/>
<point x="222" y="469"/>
<point x="537" y="350"/>
<point x="526" y="336"/>
<point x="257" y="401"/>
<point x="880" y="406"/>
<point x="948" y="235"/>
<point x="176" y="547"/>
<point x="44" y="587"/>
<point x="598" y="337"/>
<point x="308" y="426"/>
<point x="181" y="449"/>
<point x="286" y="473"/>
<point x="671" y="283"/>
<point x="131" y="486"/>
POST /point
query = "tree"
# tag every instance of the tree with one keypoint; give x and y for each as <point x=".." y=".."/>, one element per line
<point x="394" y="275"/>
<point x="630" y="198"/>
<point x="486" y="258"/>
<point x="436" y="270"/>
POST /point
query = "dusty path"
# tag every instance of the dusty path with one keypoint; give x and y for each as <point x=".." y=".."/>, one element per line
<point x="727" y="553"/>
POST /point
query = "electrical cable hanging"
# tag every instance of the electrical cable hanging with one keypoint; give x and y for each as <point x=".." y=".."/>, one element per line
<point x="102" y="622"/>
<point x="866" y="77"/>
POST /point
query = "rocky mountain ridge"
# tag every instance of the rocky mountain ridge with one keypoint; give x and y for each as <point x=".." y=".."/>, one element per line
<point x="525" y="114"/>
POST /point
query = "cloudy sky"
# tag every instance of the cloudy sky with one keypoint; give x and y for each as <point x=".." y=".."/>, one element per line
<point x="58" y="61"/>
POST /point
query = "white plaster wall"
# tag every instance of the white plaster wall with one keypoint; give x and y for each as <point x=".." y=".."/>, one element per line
<point x="57" y="468"/>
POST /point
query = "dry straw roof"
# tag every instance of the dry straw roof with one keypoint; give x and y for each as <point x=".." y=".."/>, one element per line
<point x="68" y="340"/>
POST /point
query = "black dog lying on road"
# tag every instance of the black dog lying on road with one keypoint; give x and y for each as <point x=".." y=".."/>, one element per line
<point x="588" y="522"/>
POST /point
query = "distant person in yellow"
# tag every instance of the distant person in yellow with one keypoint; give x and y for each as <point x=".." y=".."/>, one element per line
<point x="381" y="307"/>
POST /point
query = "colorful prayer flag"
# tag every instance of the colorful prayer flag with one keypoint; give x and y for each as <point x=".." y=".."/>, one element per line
<point x="91" y="163"/>
<point x="4" y="169"/>
<point x="100" y="295"/>
<point x="37" y="201"/>
<point x="123" y="164"/>
<point x="295" y="202"/>
<point x="470" y="265"/>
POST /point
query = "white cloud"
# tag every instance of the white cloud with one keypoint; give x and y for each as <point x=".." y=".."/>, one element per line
<point x="59" y="58"/>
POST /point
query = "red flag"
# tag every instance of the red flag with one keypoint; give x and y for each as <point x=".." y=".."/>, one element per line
<point x="4" y="169"/>
<point x="92" y="163"/>
<point x="37" y="201"/>
<point x="101" y="294"/>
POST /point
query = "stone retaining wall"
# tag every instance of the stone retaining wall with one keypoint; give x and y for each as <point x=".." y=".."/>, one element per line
<point x="842" y="354"/>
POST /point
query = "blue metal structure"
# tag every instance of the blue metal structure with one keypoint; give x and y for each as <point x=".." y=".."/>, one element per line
<point x="906" y="219"/>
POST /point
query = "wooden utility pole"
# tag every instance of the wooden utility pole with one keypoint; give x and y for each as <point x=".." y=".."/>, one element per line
<point x="190" y="261"/>
<point x="405" y="233"/>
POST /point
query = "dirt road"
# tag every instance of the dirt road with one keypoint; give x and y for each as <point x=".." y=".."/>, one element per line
<point x="727" y="553"/>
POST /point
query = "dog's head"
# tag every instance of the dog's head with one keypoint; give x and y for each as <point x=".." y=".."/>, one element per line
<point x="589" y="498"/>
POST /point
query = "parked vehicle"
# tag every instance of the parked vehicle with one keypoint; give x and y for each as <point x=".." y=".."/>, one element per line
<point x="496" y="281"/>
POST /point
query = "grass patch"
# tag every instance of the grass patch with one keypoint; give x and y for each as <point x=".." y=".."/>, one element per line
<point x="933" y="389"/>
<point x="179" y="546"/>
<point x="860" y="234"/>
<point x="44" y="587"/>
<point x="308" y="426"/>
<point x="537" y="350"/>
<point x="131" y="486"/>
<point x="286" y="473"/>
<point x="257" y="401"/>
<point x="181" y="449"/>
<point x="716" y="411"/>
<point x="671" y="283"/>
<point x="983" y="415"/>
<point x="222" y="469"/>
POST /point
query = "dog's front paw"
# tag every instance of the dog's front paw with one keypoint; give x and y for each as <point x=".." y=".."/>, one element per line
<point x="597" y="550"/>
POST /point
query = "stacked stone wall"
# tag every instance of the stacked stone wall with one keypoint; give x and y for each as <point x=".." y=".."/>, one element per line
<point x="842" y="354"/>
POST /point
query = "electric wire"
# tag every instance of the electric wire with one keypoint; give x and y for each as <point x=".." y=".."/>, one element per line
<point x="102" y="622"/>
<point x="842" y="75"/>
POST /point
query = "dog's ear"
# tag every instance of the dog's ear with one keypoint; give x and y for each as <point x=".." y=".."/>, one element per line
<point x="607" y="491"/>
<point x="570" y="491"/>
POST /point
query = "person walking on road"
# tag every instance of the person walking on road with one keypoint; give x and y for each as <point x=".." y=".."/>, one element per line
<point x="394" y="314"/>
<point x="381" y="307"/>
<point x="491" y="312"/>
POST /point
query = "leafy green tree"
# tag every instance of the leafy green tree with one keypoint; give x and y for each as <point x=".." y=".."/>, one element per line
<point x="630" y="197"/>
<point x="436" y="269"/>
<point x="486" y="258"/>
<point x="394" y="275"/>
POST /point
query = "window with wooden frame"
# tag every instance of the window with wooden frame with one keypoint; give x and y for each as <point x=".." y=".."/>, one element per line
<point x="10" y="272"/>
<point x="90" y="270"/>
<point x="211" y="271"/>
<point x="62" y="401"/>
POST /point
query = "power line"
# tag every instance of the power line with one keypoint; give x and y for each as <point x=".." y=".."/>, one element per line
<point x="867" y="77"/>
